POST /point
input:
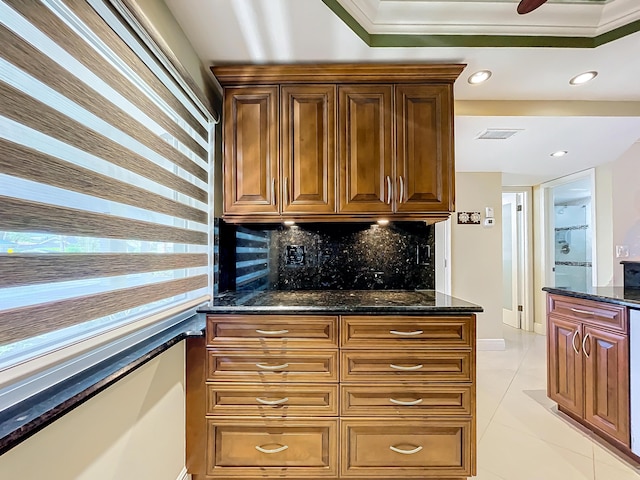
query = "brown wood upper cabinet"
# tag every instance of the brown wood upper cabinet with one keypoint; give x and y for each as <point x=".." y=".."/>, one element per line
<point x="338" y="142"/>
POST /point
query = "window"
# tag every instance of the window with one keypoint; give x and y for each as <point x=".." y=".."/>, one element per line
<point x="104" y="178"/>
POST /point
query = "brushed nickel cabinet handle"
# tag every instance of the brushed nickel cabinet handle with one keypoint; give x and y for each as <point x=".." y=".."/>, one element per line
<point x="286" y="190"/>
<point x="389" y="188"/>
<point x="584" y="340"/>
<point x="273" y="191"/>
<point x="406" y="404"/>
<point x="401" y="199"/>
<point x="400" y="367"/>
<point x="271" y="332"/>
<point x="280" y="401"/>
<point x="272" y="367"/>
<point x="405" y="452"/>
<point x="272" y="450"/>
<point x="577" y="310"/>
<point x="406" y="334"/>
<point x="573" y="343"/>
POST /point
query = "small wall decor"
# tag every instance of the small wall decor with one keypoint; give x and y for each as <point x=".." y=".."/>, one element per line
<point x="469" y="218"/>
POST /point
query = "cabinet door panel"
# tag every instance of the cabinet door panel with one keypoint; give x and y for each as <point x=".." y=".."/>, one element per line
<point x="607" y="382"/>
<point x="564" y="378"/>
<point x="424" y="145"/>
<point x="308" y="149"/>
<point x="251" y="150"/>
<point x="366" y="155"/>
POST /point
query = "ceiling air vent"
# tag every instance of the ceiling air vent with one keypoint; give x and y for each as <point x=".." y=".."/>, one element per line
<point x="497" y="133"/>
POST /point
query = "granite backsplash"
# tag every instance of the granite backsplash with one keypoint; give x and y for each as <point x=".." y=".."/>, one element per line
<point x="324" y="256"/>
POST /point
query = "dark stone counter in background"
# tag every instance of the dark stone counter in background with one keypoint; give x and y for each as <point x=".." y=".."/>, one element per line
<point x="629" y="297"/>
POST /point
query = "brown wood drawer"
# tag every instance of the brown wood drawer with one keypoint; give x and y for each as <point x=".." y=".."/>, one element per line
<point x="406" y="400"/>
<point x="272" y="400"/>
<point x="406" y="366"/>
<point x="284" y="331"/>
<point x="440" y="448"/>
<point x="410" y="332"/>
<point x="283" y="367"/>
<point x="602" y="314"/>
<point x="288" y="448"/>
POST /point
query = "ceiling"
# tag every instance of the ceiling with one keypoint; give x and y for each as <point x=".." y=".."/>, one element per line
<point x="529" y="90"/>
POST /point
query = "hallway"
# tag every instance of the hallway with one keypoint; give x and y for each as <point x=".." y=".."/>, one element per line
<point x="520" y="434"/>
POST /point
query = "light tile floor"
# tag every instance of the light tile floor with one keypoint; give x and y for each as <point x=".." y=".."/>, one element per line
<point x="521" y="436"/>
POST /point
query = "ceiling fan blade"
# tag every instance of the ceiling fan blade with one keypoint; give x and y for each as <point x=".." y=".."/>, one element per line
<point x="526" y="6"/>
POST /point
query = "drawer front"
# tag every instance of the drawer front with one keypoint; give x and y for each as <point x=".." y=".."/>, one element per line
<point x="407" y="366"/>
<point x="256" y="366"/>
<point x="407" y="332"/>
<point x="272" y="400"/>
<point x="387" y="448"/>
<point x="286" y="331"/>
<point x="259" y="448"/>
<point x="392" y="400"/>
<point x="602" y="314"/>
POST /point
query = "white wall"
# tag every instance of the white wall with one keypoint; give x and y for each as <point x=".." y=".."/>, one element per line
<point x="133" y="430"/>
<point x="626" y="208"/>
<point x="476" y="251"/>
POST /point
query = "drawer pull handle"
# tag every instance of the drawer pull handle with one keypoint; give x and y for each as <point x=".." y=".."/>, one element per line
<point x="271" y="367"/>
<point x="586" y="312"/>
<point x="406" y="334"/>
<point x="584" y="340"/>
<point x="406" y="404"/>
<point x="400" y="367"/>
<point x="272" y="402"/>
<point x="406" y="452"/>
<point x="272" y="332"/>
<point x="272" y="450"/>
<point x="573" y="342"/>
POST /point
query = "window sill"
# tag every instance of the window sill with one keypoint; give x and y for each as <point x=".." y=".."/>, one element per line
<point x="18" y="422"/>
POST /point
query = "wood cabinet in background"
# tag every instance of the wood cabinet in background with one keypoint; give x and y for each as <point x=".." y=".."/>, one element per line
<point x="588" y="364"/>
<point x="338" y="142"/>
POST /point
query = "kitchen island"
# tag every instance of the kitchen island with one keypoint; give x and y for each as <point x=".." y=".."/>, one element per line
<point x="593" y="350"/>
<point x="333" y="384"/>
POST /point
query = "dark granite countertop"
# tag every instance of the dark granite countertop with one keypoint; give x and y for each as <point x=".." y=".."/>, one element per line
<point x="629" y="297"/>
<point x="338" y="301"/>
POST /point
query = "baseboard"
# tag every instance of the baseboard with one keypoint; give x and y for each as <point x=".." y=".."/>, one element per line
<point x="539" y="328"/>
<point x="486" y="344"/>
<point x="183" y="475"/>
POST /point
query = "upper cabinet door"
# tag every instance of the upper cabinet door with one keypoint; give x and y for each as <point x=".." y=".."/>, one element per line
<point x="365" y="148"/>
<point x="308" y="148"/>
<point x="251" y="150"/>
<point x="424" y="150"/>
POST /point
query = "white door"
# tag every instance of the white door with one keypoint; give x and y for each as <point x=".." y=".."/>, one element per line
<point x="510" y="260"/>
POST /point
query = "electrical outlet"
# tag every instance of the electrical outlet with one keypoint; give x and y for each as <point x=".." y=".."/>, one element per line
<point x="295" y="255"/>
<point x="622" y="251"/>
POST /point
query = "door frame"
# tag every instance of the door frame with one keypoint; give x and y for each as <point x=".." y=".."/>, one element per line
<point x="549" y="233"/>
<point x="524" y="239"/>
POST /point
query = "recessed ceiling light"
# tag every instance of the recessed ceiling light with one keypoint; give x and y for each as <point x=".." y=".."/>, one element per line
<point x="479" y="77"/>
<point x="583" y="78"/>
<point x="559" y="153"/>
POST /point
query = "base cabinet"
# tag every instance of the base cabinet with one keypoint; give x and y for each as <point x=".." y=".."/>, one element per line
<point x="588" y="364"/>
<point x="353" y="396"/>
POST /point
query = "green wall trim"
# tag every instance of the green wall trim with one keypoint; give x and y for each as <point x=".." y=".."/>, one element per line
<point x="418" y="40"/>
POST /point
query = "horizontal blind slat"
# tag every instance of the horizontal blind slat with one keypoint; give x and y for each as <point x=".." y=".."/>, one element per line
<point x="96" y="23"/>
<point x="26" y="216"/>
<point x="33" y="10"/>
<point x="50" y="73"/>
<point x="32" y="269"/>
<point x="24" y="162"/>
<point x="24" y="109"/>
<point x="21" y="323"/>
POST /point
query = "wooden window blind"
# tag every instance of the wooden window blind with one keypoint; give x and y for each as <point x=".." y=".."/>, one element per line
<point x="104" y="176"/>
